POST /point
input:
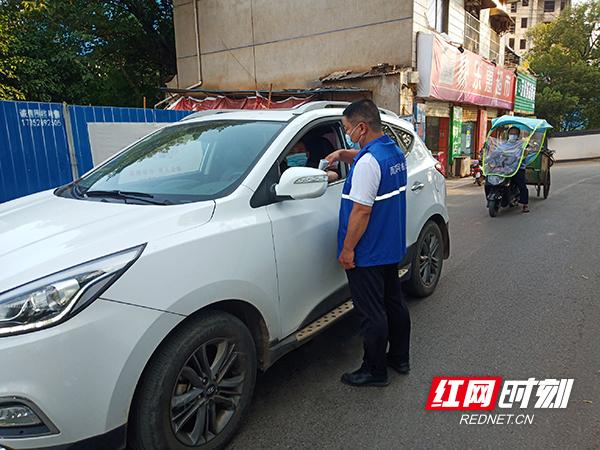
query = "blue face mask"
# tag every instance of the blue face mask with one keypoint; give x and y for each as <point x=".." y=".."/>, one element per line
<point x="351" y="144"/>
<point x="512" y="138"/>
<point x="297" y="160"/>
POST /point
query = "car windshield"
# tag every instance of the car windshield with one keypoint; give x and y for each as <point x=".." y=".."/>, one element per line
<point x="180" y="164"/>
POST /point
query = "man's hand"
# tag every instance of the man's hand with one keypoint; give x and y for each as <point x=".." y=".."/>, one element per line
<point x="346" y="259"/>
<point x="357" y="224"/>
<point x="333" y="157"/>
<point x="343" y="155"/>
<point x="332" y="176"/>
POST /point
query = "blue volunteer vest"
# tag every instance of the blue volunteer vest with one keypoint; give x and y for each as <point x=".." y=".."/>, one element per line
<point x="384" y="241"/>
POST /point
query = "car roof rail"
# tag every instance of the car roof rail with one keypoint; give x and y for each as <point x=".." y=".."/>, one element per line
<point x="297" y="110"/>
<point x="207" y="112"/>
<point x="311" y="106"/>
<point x="320" y="104"/>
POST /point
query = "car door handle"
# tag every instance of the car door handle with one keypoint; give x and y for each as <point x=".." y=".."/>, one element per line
<point x="417" y="186"/>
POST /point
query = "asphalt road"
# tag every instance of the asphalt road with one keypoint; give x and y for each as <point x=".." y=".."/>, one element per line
<point x="519" y="298"/>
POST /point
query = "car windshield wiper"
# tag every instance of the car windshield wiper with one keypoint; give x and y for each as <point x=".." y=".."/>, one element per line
<point x="125" y="195"/>
<point x="76" y="190"/>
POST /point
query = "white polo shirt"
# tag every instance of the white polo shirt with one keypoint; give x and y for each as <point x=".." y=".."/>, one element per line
<point x="365" y="180"/>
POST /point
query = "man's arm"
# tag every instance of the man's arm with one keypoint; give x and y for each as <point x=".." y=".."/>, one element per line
<point x="343" y="155"/>
<point x="357" y="224"/>
<point x="365" y="183"/>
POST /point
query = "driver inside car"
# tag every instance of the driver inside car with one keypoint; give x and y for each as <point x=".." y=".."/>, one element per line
<point x="300" y="156"/>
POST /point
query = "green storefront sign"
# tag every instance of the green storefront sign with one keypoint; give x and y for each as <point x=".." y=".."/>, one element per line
<point x="525" y="93"/>
<point x="456" y="135"/>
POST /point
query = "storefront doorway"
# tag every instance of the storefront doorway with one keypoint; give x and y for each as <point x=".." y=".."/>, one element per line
<point x="436" y="139"/>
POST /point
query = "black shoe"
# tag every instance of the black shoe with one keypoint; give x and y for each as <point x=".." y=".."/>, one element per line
<point x="362" y="377"/>
<point x="401" y="367"/>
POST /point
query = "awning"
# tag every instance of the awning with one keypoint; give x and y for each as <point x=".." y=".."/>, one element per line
<point x="479" y="4"/>
<point x="500" y="20"/>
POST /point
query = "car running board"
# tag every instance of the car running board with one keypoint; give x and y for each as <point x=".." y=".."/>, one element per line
<point x="332" y="316"/>
<point x="324" y="321"/>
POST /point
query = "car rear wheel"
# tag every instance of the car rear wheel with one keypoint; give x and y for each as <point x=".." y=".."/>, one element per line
<point x="196" y="387"/>
<point x="427" y="262"/>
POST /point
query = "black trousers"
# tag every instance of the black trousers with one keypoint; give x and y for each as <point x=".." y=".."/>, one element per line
<point x="519" y="180"/>
<point x="384" y="316"/>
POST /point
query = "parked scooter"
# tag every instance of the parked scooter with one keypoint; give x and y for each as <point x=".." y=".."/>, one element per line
<point x="500" y="192"/>
<point x="476" y="172"/>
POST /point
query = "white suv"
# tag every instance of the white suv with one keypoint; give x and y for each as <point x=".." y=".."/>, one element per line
<point x="137" y="303"/>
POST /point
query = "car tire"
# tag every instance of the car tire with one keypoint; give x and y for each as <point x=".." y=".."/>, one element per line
<point x="196" y="387"/>
<point x="427" y="262"/>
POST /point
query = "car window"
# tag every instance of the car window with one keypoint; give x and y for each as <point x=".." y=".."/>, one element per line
<point x="403" y="138"/>
<point x="186" y="162"/>
<point x="314" y="145"/>
<point x="406" y="137"/>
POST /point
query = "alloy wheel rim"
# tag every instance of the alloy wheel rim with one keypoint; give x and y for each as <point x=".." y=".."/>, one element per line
<point x="207" y="392"/>
<point x="429" y="259"/>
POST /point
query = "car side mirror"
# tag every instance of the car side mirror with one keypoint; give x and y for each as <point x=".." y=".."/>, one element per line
<point x="301" y="182"/>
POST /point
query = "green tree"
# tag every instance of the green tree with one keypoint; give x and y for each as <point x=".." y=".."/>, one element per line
<point x="566" y="58"/>
<point x="111" y="52"/>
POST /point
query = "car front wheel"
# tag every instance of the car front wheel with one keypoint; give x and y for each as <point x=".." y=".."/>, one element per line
<point x="427" y="261"/>
<point x="196" y="387"/>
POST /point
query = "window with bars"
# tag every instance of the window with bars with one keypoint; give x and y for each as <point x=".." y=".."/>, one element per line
<point x="513" y="7"/>
<point x="549" y="6"/>
<point x="511" y="29"/>
<point x="522" y="44"/>
<point x="494" y="46"/>
<point x="471" y="33"/>
<point x="523" y="22"/>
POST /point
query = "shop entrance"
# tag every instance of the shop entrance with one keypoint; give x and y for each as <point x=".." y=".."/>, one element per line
<point x="436" y="139"/>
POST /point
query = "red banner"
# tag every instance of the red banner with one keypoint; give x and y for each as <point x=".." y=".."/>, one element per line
<point x="222" y="102"/>
<point x="447" y="73"/>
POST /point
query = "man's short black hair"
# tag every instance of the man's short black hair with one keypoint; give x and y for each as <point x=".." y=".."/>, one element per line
<point x="364" y="110"/>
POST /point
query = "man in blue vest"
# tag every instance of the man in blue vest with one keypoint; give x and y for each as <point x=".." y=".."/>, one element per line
<point x="372" y="241"/>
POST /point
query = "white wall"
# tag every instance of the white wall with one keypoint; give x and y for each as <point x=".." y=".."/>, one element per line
<point x="575" y="147"/>
<point x="456" y="21"/>
<point x="249" y="44"/>
<point x="106" y="139"/>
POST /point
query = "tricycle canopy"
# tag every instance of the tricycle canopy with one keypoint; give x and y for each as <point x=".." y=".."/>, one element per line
<point x="503" y="157"/>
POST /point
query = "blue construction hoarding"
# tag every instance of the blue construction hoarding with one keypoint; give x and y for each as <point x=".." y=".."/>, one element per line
<point x="34" y="144"/>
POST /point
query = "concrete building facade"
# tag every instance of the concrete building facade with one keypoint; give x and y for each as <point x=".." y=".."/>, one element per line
<point x="528" y="13"/>
<point x="249" y="44"/>
<point x="372" y="45"/>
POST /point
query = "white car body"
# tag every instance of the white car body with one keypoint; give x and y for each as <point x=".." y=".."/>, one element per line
<point x="80" y="375"/>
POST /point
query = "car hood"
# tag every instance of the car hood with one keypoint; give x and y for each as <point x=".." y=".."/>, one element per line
<point x="41" y="234"/>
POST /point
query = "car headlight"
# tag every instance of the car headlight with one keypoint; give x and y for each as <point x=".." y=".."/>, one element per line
<point x="52" y="299"/>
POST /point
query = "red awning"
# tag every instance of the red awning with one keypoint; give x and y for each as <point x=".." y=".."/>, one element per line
<point x="222" y="102"/>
